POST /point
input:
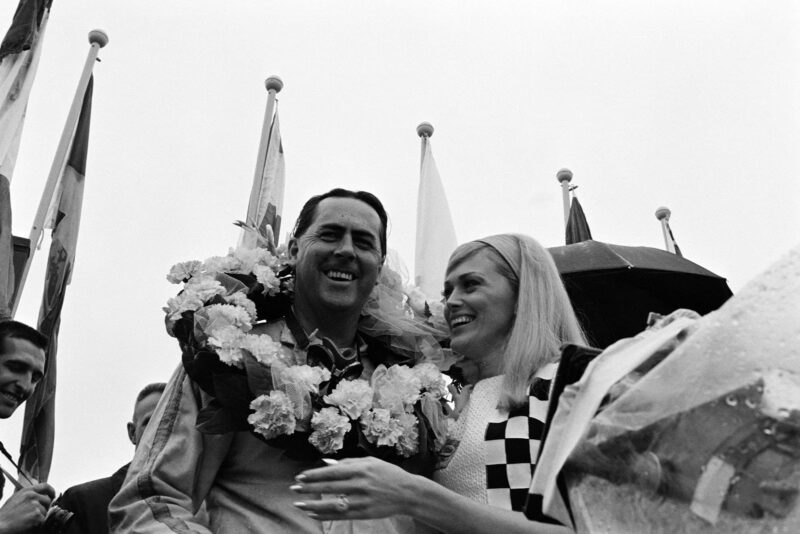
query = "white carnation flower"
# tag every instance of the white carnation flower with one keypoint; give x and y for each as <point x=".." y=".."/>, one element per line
<point x="408" y="442"/>
<point x="266" y="277"/>
<point x="181" y="303"/>
<point x="221" y="264"/>
<point x="227" y="342"/>
<point x="381" y="428"/>
<point x="274" y="415"/>
<point x="248" y="258"/>
<point x="204" y="287"/>
<point x="306" y="377"/>
<point x="353" y="397"/>
<point x="396" y="389"/>
<point x="240" y="299"/>
<point x="262" y="347"/>
<point x="182" y="272"/>
<point x="221" y="315"/>
<point x="431" y="380"/>
<point x="329" y="428"/>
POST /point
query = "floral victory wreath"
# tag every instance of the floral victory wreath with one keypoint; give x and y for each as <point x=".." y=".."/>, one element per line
<point x="319" y="406"/>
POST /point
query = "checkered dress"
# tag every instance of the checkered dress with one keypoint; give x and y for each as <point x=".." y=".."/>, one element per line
<point x="510" y="447"/>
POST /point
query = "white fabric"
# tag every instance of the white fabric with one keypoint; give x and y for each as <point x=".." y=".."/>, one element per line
<point x="570" y="426"/>
<point x="466" y="472"/>
<point x="436" y="236"/>
<point x="17" y="72"/>
<point x="270" y="193"/>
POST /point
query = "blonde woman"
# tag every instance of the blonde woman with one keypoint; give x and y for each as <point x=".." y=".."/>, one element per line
<point x="508" y="314"/>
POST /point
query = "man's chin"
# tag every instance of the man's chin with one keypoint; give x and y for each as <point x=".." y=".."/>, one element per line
<point x="6" y="410"/>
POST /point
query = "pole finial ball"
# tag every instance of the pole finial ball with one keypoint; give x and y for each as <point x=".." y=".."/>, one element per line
<point x="663" y="213"/>
<point x="98" y="36"/>
<point x="425" y="129"/>
<point x="274" y="83"/>
<point x="564" y="175"/>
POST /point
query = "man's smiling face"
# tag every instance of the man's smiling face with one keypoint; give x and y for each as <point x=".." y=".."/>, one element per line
<point x="21" y="368"/>
<point x="338" y="257"/>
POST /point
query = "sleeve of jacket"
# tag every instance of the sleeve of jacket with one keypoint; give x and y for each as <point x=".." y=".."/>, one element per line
<point x="173" y="468"/>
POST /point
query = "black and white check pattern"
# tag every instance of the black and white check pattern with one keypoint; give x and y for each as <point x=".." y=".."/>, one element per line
<point x="512" y="446"/>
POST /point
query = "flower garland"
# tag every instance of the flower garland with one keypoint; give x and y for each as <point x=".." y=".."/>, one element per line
<point x="259" y="385"/>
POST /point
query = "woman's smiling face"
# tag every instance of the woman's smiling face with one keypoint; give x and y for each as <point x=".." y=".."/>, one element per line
<point x="479" y="308"/>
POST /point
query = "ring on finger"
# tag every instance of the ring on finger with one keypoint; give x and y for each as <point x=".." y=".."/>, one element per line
<point x="342" y="503"/>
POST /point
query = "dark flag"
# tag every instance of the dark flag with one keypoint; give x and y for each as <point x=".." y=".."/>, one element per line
<point x="672" y="239"/>
<point x="39" y="426"/>
<point x="19" y="56"/>
<point x="577" y="227"/>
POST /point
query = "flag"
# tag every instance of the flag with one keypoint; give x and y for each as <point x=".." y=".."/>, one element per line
<point x="436" y="236"/>
<point x="19" y="56"/>
<point x="677" y="249"/>
<point x="577" y="227"/>
<point x="269" y="198"/>
<point x="39" y="426"/>
<point x="6" y="251"/>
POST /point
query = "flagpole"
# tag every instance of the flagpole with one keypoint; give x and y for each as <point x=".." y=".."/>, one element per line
<point x="274" y="85"/>
<point x="662" y="214"/>
<point x="424" y="131"/>
<point x="565" y="177"/>
<point x="97" y="40"/>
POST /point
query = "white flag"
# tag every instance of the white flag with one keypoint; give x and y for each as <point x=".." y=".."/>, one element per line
<point x="269" y="198"/>
<point x="436" y="236"/>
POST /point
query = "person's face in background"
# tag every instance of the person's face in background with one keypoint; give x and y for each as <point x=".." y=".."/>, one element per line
<point x="21" y="369"/>
<point x="142" y="413"/>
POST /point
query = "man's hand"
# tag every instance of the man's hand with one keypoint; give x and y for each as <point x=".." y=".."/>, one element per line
<point x="26" y="509"/>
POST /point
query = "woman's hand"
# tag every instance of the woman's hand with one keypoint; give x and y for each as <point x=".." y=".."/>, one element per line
<point x="357" y="488"/>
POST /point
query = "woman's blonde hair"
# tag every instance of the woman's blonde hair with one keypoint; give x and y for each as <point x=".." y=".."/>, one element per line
<point x="544" y="319"/>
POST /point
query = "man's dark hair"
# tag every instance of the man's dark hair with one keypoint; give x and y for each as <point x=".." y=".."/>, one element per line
<point x="17" y="330"/>
<point x="149" y="389"/>
<point x="309" y="211"/>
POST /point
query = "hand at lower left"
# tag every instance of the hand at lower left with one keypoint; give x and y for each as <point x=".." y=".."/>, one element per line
<point x="363" y="488"/>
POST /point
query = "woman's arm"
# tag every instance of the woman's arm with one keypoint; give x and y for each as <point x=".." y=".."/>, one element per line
<point x="374" y="489"/>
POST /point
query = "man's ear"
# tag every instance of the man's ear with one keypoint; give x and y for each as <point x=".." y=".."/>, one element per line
<point x="132" y="433"/>
<point x="292" y="248"/>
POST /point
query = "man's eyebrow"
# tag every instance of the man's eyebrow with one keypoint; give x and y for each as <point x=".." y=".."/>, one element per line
<point x="341" y="228"/>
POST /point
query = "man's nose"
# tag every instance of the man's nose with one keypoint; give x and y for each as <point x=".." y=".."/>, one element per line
<point x="25" y="383"/>
<point x="345" y="246"/>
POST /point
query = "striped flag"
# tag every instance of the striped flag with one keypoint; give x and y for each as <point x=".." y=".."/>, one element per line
<point x="436" y="236"/>
<point x="39" y="426"/>
<point x="19" y="56"/>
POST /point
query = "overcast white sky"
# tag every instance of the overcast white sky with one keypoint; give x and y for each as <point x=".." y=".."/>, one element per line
<point x="688" y="104"/>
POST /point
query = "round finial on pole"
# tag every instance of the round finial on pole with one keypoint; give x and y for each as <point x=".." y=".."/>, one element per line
<point x="564" y="175"/>
<point x="425" y="129"/>
<point x="663" y="213"/>
<point x="98" y="36"/>
<point x="274" y="83"/>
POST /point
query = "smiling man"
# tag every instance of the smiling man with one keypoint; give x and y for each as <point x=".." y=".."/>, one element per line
<point x="339" y="244"/>
<point x="22" y="366"/>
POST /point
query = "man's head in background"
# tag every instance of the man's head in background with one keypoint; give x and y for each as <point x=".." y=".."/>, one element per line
<point x="146" y="403"/>
<point x="22" y="364"/>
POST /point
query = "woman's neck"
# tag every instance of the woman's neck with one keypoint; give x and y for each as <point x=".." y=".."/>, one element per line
<point x="490" y="364"/>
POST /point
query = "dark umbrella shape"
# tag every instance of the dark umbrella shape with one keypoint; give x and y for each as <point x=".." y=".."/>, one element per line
<point x="613" y="287"/>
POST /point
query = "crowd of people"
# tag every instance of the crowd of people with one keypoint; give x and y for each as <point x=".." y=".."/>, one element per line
<point x="507" y="313"/>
